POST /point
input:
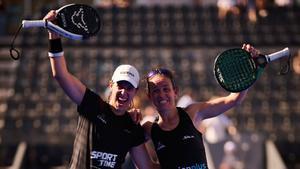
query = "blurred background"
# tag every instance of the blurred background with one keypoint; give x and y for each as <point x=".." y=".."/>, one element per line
<point x="38" y="121"/>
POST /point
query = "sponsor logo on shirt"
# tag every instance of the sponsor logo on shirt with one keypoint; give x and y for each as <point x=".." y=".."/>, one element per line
<point x="127" y="131"/>
<point x="188" y="137"/>
<point x="103" y="159"/>
<point x="101" y="118"/>
<point x="195" y="166"/>
<point x="160" y="146"/>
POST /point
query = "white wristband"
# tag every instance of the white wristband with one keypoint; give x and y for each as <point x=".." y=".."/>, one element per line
<point x="54" y="55"/>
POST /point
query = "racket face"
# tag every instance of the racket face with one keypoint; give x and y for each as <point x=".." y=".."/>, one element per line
<point x="79" y="19"/>
<point x="235" y="70"/>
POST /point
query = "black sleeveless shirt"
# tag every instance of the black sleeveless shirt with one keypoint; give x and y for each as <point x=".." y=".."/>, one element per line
<point x="181" y="147"/>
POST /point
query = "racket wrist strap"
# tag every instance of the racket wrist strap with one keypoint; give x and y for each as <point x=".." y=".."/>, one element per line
<point x="55" y="48"/>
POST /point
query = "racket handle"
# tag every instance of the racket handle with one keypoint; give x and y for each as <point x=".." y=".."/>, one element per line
<point x="33" y="23"/>
<point x="276" y="55"/>
<point x="63" y="32"/>
<point x="52" y="27"/>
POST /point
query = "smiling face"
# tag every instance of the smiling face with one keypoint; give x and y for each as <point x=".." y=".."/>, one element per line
<point x="162" y="93"/>
<point x="121" y="97"/>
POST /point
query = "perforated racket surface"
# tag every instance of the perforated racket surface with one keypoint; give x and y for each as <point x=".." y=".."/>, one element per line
<point x="74" y="21"/>
<point x="79" y="19"/>
<point x="235" y="70"/>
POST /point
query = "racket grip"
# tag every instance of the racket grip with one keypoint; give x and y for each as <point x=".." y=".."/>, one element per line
<point x="33" y="23"/>
<point x="274" y="56"/>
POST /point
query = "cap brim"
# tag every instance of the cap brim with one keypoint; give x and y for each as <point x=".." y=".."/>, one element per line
<point x="132" y="82"/>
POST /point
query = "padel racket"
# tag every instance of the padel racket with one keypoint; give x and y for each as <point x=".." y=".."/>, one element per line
<point x="74" y="21"/>
<point x="236" y="70"/>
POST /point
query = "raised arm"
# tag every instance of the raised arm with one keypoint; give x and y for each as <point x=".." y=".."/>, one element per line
<point x="202" y="110"/>
<point x="70" y="84"/>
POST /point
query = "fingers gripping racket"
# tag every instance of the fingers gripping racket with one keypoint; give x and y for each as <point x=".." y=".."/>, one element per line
<point x="74" y="21"/>
<point x="236" y="70"/>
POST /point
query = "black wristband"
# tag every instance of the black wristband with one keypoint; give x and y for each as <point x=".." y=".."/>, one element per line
<point x="55" y="46"/>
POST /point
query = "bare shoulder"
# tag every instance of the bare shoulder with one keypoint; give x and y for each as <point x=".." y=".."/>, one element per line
<point x="195" y="108"/>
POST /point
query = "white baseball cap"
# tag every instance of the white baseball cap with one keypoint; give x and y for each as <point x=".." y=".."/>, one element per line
<point x="127" y="73"/>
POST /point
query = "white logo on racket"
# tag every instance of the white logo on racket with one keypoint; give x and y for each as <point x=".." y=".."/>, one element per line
<point x="77" y="20"/>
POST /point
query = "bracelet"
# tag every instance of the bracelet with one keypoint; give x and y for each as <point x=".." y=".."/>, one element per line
<point x="55" y="46"/>
<point x="53" y="55"/>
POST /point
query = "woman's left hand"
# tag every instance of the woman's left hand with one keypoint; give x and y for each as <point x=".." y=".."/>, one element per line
<point x="135" y="115"/>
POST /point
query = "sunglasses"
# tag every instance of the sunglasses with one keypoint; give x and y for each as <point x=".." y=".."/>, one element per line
<point x="160" y="71"/>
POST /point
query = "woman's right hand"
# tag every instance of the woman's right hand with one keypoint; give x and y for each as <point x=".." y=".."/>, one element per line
<point x="254" y="52"/>
<point x="51" y="16"/>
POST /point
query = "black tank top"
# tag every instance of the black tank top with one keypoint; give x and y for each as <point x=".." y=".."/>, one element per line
<point x="181" y="147"/>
